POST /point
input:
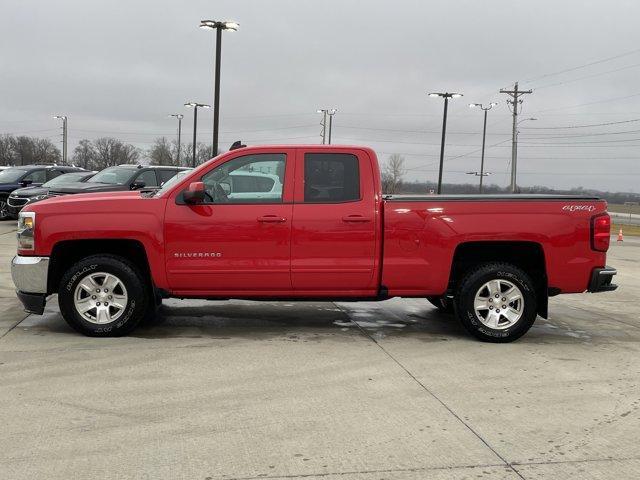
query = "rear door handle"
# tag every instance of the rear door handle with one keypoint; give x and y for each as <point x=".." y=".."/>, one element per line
<point x="355" y="219"/>
<point x="271" y="219"/>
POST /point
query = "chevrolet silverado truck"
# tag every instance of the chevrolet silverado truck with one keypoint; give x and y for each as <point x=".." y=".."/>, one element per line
<point x="328" y="233"/>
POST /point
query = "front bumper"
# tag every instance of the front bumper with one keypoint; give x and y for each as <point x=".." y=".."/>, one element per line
<point x="30" y="275"/>
<point x="601" y="280"/>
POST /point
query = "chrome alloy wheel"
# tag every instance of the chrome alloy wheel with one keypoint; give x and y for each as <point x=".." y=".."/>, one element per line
<point x="100" y="298"/>
<point x="499" y="304"/>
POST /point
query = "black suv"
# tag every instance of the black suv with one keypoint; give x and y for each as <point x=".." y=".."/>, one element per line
<point x="25" y="196"/>
<point x="28" y="175"/>
<point x="122" y="177"/>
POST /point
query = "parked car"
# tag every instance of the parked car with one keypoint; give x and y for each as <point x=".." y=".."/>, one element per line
<point x="28" y="175"/>
<point x="329" y="234"/>
<point x="25" y="196"/>
<point x="121" y="178"/>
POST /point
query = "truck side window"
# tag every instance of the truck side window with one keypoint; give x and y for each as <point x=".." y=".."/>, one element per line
<point x="255" y="178"/>
<point x="331" y="178"/>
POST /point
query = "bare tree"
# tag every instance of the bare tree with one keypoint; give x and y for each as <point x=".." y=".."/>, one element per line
<point x="392" y="173"/>
<point x="111" y="151"/>
<point x="84" y="155"/>
<point x="162" y="152"/>
<point x="203" y="154"/>
<point x="44" y="151"/>
<point x="7" y="153"/>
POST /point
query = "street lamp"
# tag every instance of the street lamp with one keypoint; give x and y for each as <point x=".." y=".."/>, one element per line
<point x="218" y="26"/>
<point x="514" y="163"/>
<point x="179" y="116"/>
<point x="446" y="96"/>
<point x="195" y="106"/>
<point x="330" y="112"/>
<point x="64" y="137"/>
<point x="484" y="133"/>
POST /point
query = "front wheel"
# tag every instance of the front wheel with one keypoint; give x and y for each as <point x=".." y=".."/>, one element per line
<point x="103" y="296"/>
<point x="496" y="302"/>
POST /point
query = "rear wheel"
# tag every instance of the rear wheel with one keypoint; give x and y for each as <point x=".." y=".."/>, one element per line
<point x="496" y="302"/>
<point x="103" y="296"/>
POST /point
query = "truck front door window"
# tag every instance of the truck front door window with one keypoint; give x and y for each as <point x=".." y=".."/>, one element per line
<point x="247" y="179"/>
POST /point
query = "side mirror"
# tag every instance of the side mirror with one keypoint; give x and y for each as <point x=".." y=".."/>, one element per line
<point x="194" y="193"/>
<point x="137" y="185"/>
<point x="26" y="183"/>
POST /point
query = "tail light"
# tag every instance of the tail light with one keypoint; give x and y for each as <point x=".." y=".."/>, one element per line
<point x="600" y="232"/>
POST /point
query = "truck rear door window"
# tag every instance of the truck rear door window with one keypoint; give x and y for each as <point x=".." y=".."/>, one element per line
<point x="331" y="178"/>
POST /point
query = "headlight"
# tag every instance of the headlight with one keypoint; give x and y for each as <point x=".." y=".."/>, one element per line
<point x="37" y="198"/>
<point x="26" y="227"/>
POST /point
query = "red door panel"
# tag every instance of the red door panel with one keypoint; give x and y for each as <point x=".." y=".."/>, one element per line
<point x="334" y="243"/>
<point x="232" y="248"/>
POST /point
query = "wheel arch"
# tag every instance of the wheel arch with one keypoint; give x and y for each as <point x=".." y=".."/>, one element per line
<point x="66" y="253"/>
<point x="528" y="256"/>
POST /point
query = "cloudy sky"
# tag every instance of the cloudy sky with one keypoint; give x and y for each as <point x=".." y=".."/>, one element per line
<point x="118" y="68"/>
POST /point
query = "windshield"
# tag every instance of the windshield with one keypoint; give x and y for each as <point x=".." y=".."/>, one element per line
<point x="113" y="175"/>
<point x="66" y="178"/>
<point x="171" y="182"/>
<point x="11" y="175"/>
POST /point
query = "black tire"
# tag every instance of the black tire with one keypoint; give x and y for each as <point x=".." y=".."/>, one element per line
<point x="137" y="291"/>
<point x="4" y="212"/>
<point x="471" y="285"/>
<point x="442" y="303"/>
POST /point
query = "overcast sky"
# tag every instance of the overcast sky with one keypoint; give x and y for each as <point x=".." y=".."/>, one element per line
<point x="117" y="68"/>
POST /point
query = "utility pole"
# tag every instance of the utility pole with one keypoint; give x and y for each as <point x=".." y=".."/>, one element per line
<point x="515" y="102"/>
<point x="485" y="108"/>
<point x="331" y="113"/>
<point x="195" y="106"/>
<point x="64" y="137"/>
<point x="179" y="116"/>
<point x="323" y="134"/>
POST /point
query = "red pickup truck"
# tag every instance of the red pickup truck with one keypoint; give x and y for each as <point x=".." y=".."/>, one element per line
<point x="307" y="222"/>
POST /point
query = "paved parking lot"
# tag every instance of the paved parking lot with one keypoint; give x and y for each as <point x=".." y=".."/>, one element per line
<point x="392" y="390"/>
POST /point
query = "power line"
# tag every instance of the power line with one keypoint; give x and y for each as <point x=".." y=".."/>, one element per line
<point x="586" y="77"/>
<point x="579" y="67"/>
<point x="582" y="126"/>
<point x="606" y="100"/>
<point x="578" y="135"/>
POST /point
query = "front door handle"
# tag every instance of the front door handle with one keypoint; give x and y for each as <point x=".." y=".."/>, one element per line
<point x="355" y="219"/>
<point x="271" y="219"/>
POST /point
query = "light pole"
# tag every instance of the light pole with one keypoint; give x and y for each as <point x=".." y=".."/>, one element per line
<point x="218" y="26"/>
<point x="484" y="134"/>
<point x="64" y="137"/>
<point x="326" y="112"/>
<point x="446" y="96"/>
<point x="514" y="163"/>
<point x="195" y="106"/>
<point x="179" y="116"/>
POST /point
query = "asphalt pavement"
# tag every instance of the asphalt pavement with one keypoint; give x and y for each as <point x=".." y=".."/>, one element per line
<point x="322" y="390"/>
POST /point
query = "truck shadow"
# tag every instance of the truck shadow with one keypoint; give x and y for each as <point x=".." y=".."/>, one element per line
<point x="314" y="321"/>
